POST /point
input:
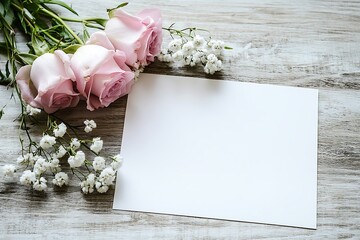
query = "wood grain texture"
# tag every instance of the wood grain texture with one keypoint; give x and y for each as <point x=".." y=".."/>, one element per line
<point x="308" y="43"/>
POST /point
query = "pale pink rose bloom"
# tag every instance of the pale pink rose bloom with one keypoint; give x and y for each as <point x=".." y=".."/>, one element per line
<point x="100" y="38"/>
<point x="140" y="36"/>
<point x="48" y="82"/>
<point x="101" y="75"/>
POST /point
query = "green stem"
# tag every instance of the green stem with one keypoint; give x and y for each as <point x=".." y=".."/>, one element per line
<point x="30" y="24"/>
<point x="44" y="10"/>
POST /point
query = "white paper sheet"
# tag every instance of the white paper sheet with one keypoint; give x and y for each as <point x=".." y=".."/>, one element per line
<point x="220" y="149"/>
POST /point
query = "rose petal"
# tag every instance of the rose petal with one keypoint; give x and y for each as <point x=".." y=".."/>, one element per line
<point x="101" y="39"/>
<point x="27" y="89"/>
<point x="85" y="62"/>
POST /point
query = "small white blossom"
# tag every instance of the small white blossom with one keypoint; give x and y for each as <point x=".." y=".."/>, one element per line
<point x="77" y="160"/>
<point x="164" y="56"/>
<point x="75" y="143"/>
<point x="40" y="166"/>
<point x="212" y="58"/>
<point x="54" y="165"/>
<point x="178" y="56"/>
<point x="175" y="45"/>
<point x="27" y="178"/>
<point x="8" y="170"/>
<point x="60" y="130"/>
<point x="117" y="162"/>
<point x="199" y="41"/>
<point x="107" y="176"/>
<point x="99" y="163"/>
<point x="137" y="72"/>
<point x="87" y="186"/>
<point x="60" y="152"/>
<point x="47" y="141"/>
<point x="28" y="158"/>
<point x="188" y="48"/>
<point x="40" y="184"/>
<point x="61" y="179"/>
<point x="189" y="60"/>
<point x="89" y="125"/>
<point x="101" y="188"/>
<point x="213" y="64"/>
<point x="97" y="145"/>
<point x="200" y="56"/>
<point x="211" y="43"/>
<point x="32" y="111"/>
<point x="217" y="47"/>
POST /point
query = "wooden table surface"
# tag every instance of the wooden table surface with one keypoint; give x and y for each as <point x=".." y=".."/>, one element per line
<point x="312" y="44"/>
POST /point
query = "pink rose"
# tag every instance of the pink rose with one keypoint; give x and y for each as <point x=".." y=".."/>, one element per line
<point x="47" y="83"/>
<point x="101" y="75"/>
<point x="140" y="36"/>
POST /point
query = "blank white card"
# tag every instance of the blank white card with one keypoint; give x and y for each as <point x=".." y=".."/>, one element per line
<point x="220" y="149"/>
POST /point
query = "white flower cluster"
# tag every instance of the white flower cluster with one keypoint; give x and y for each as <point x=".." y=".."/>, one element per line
<point x="103" y="178"/>
<point x="44" y="157"/>
<point x="31" y="111"/>
<point x="89" y="125"/>
<point x="197" y="51"/>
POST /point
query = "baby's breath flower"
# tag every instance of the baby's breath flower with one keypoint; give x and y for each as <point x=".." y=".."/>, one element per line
<point x="97" y="145"/>
<point x="165" y="57"/>
<point x="40" y="166"/>
<point x="89" y="125"/>
<point x="211" y="43"/>
<point x="8" y="170"/>
<point x="178" y="56"/>
<point x="137" y="72"/>
<point x="75" y="143"/>
<point x="60" y="130"/>
<point x="217" y="47"/>
<point x="202" y="55"/>
<point x="107" y="176"/>
<point x="28" y="158"/>
<point x="101" y="188"/>
<point x="32" y="111"/>
<point x="77" y="160"/>
<point x="47" y="141"/>
<point x="99" y="163"/>
<point x="187" y="48"/>
<point x="54" y="165"/>
<point x="87" y="186"/>
<point x="60" y="152"/>
<point x="27" y="178"/>
<point x="117" y="162"/>
<point x="40" y="184"/>
<point x="175" y="45"/>
<point x="213" y="64"/>
<point x="61" y="179"/>
<point x="199" y="41"/>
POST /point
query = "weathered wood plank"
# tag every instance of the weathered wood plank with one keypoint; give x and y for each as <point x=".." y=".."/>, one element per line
<point x="312" y="44"/>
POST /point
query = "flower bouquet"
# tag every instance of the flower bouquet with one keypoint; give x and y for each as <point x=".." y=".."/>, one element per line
<point x="63" y="67"/>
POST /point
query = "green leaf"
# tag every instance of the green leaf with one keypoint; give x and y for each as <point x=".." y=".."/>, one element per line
<point x="26" y="58"/>
<point x="2" y="112"/>
<point x="7" y="70"/>
<point x="3" y="48"/>
<point x="86" y="34"/>
<point x="7" y="14"/>
<point x="6" y="5"/>
<point x="228" y="48"/>
<point x="4" y="80"/>
<point x="39" y="45"/>
<point x="72" y="48"/>
<point x="111" y="10"/>
<point x="60" y="3"/>
<point x="100" y="21"/>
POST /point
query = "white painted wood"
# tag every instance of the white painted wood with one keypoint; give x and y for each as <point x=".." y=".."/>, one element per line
<point x="306" y="43"/>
